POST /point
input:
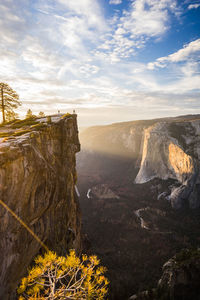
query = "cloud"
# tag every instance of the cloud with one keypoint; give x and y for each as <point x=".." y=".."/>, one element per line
<point x="40" y="58"/>
<point x="88" y="69"/>
<point x="187" y="52"/>
<point x="8" y="63"/>
<point x="11" y="23"/>
<point x="148" y="17"/>
<point x="115" y="2"/>
<point x="82" y="60"/>
<point x="143" y="20"/>
<point x="193" y="6"/>
<point x="88" y="9"/>
<point x="74" y="32"/>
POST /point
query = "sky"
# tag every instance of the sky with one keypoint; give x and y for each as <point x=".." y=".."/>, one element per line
<point x="110" y="60"/>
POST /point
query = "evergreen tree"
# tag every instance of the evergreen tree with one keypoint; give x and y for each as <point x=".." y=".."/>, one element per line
<point x="11" y="115"/>
<point x="41" y="114"/>
<point x="29" y="114"/>
<point x="9" y="99"/>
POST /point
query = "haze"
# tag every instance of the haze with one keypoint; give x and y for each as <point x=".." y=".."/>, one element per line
<point x="111" y="60"/>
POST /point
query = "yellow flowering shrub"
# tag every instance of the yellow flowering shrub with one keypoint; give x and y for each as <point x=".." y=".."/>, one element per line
<point x="59" y="277"/>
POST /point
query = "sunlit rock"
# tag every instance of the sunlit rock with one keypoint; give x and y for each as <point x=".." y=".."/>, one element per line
<point x="170" y="154"/>
<point x="37" y="180"/>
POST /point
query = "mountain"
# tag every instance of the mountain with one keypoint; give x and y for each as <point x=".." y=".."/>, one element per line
<point x="139" y="185"/>
<point x="37" y="180"/>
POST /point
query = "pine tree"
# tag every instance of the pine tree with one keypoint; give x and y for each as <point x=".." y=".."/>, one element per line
<point x="11" y="115"/>
<point x="9" y="99"/>
<point x="41" y="114"/>
<point x="29" y="114"/>
<point x="57" y="277"/>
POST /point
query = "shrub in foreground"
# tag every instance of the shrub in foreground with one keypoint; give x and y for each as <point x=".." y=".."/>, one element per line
<point x="58" y="277"/>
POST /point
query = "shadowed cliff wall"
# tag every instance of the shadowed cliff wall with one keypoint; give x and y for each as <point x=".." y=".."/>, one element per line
<point x="37" y="181"/>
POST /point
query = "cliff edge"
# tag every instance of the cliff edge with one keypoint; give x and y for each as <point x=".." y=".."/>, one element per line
<point x="37" y="181"/>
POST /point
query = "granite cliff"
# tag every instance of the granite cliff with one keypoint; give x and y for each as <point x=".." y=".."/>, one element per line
<point x="171" y="151"/>
<point x="37" y="180"/>
<point x="166" y="149"/>
<point x="139" y="185"/>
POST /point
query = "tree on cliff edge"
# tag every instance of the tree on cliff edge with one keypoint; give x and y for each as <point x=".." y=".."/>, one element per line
<point x="29" y="114"/>
<point x="9" y="99"/>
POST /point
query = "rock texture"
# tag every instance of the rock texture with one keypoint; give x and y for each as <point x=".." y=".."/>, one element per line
<point x="102" y="191"/>
<point x="135" y="234"/>
<point x="171" y="151"/>
<point x="167" y="149"/>
<point x="37" y="180"/>
<point x="179" y="280"/>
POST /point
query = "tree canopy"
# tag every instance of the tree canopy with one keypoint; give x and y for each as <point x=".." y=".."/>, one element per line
<point x="57" y="277"/>
<point x="9" y="99"/>
<point x="11" y="115"/>
<point x="29" y="114"/>
<point x="41" y="114"/>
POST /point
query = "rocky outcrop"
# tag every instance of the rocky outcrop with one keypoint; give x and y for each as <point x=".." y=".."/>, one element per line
<point x="179" y="280"/>
<point x="37" y="180"/>
<point x="102" y="191"/>
<point x="171" y="151"/>
<point x="139" y="231"/>
<point x="163" y="157"/>
<point x="167" y="149"/>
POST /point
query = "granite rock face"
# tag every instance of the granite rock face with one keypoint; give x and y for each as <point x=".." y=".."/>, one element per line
<point x="179" y="280"/>
<point x="167" y="149"/>
<point x="171" y="151"/>
<point x="37" y="181"/>
<point x="163" y="157"/>
<point x="102" y="191"/>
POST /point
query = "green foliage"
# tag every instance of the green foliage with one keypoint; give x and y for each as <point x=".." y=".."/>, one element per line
<point x="58" y="277"/>
<point x="32" y="135"/>
<point x="17" y="133"/>
<point x="29" y="114"/>
<point x="25" y="122"/>
<point x="66" y="115"/>
<point x="49" y="119"/>
<point x="9" y="99"/>
<point x="4" y="134"/>
<point x="11" y="116"/>
<point x="20" y="132"/>
<point x="41" y="114"/>
<point x="186" y="255"/>
<point x="38" y="126"/>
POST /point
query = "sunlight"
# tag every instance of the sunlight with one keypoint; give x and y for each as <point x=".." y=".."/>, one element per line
<point x="180" y="161"/>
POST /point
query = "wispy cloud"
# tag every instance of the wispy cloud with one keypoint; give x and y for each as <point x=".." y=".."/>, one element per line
<point x="143" y="20"/>
<point x="115" y="2"/>
<point x="181" y="55"/>
<point x="89" y="9"/>
<point x="194" y="6"/>
<point x="67" y="54"/>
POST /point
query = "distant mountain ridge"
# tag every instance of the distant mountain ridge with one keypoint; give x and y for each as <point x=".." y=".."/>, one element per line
<point x="167" y="148"/>
<point x="149" y="209"/>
